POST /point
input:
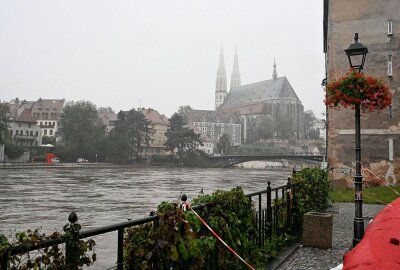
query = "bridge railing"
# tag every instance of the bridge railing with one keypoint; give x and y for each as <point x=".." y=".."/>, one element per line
<point x="273" y="218"/>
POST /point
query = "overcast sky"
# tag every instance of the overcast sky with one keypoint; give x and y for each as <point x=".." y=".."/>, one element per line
<point x="156" y="53"/>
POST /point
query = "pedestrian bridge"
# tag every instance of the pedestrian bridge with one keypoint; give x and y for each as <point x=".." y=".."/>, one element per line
<point x="229" y="160"/>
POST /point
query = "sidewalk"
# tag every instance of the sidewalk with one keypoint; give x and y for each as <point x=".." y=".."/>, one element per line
<point x="305" y="258"/>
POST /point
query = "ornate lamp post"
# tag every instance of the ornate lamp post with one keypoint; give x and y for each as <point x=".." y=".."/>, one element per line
<point x="356" y="54"/>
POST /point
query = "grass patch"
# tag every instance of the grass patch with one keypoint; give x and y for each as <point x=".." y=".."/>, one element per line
<point x="371" y="195"/>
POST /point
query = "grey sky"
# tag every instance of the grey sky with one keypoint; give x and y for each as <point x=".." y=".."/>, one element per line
<point x="156" y="53"/>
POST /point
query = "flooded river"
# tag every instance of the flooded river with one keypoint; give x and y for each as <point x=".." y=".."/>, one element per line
<point x="44" y="197"/>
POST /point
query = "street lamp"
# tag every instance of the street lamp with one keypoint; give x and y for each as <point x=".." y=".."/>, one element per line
<point x="356" y="54"/>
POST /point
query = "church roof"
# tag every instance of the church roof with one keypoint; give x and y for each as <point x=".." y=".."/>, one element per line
<point x="279" y="89"/>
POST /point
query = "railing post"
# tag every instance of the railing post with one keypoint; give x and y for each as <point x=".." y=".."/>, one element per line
<point x="72" y="232"/>
<point x="288" y="205"/>
<point x="120" y="253"/>
<point x="259" y="221"/>
<point x="4" y="261"/>
<point x="269" y="211"/>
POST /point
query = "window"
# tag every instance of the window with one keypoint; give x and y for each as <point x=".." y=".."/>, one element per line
<point x="212" y="137"/>
<point x="26" y="132"/>
<point x="390" y="112"/>
<point x="29" y="125"/>
<point x="45" y="123"/>
<point x="11" y="132"/>
<point x="222" y="124"/>
<point x="36" y="134"/>
<point x="390" y="66"/>
<point x="19" y="124"/>
<point x="31" y="133"/>
<point x="390" y="27"/>
<point x="51" y="132"/>
<point x="41" y="123"/>
<point x="45" y="132"/>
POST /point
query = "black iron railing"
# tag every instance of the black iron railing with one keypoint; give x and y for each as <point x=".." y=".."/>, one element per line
<point x="274" y="217"/>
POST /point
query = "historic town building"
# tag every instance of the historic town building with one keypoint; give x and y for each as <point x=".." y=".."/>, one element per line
<point x="213" y="125"/>
<point x="265" y="109"/>
<point x="46" y="112"/>
<point x="24" y="130"/>
<point x="158" y="127"/>
<point x="378" y="26"/>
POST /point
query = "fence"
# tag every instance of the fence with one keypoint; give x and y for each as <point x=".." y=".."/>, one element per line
<point x="274" y="217"/>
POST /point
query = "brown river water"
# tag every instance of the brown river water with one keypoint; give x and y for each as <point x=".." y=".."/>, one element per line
<point x="44" y="197"/>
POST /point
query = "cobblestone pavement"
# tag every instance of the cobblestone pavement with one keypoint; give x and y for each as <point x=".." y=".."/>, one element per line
<point x="306" y="258"/>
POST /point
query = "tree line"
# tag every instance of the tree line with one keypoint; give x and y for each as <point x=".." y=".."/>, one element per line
<point x="81" y="133"/>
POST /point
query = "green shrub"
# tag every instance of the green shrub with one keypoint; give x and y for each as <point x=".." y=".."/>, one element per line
<point x="311" y="193"/>
<point x="179" y="240"/>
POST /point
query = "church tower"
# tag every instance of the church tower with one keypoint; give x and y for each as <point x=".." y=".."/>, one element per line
<point x="220" y="84"/>
<point x="274" y="75"/>
<point x="235" y="76"/>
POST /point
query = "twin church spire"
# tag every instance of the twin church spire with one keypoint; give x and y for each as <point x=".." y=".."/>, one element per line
<point x="221" y="84"/>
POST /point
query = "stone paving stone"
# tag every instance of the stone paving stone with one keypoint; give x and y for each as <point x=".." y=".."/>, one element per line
<point x="307" y="258"/>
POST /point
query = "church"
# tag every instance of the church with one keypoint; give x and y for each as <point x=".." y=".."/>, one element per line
<point x="266" y="109"/>
<point x="256" y="111"/>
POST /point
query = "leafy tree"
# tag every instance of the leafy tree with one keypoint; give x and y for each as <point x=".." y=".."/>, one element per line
<point x="224" y="144"/>
<point x="181" y="138"/>
<point x="81" y="130"/>
<point x="48" y="140"/>
<point x="264" y="126"/>
<point x="105" y="110"/>
<point x="185" y="112"/>
<point x="4" y="119"/>
<point x="285" y="127"/>
<point x="309" y="121"/>
<point x="130" y="136"/>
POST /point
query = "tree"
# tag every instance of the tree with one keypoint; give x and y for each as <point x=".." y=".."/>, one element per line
<point x="264" y="127"/>
<point x="181" y="138"/>
<point x="130" y="136"/>
<point x="224" y="144"/>
<point x="4" y="119"/>
<point x="286" y="128"/>
<point x="309" y="121"/>
<point x="185" y="112"/>
<point x="81" y="130"/>
<point x="105" y="110"/>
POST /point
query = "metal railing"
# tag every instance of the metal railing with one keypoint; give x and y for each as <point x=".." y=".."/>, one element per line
<point x="273" y="218"/>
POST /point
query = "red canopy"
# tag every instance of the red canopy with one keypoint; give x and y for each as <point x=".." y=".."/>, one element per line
<point x="380" y="246"/>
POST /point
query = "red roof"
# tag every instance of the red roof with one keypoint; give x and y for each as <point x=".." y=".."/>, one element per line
<point x="25" y="116"/>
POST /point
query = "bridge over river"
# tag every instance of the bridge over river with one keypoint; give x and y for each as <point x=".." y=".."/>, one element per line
<point x="230" y="160"/>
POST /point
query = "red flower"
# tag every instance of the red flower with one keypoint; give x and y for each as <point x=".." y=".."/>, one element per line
<point x="356" y="88"/>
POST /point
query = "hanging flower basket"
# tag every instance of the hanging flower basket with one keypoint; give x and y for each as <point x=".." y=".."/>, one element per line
<point x="356" y="88"/>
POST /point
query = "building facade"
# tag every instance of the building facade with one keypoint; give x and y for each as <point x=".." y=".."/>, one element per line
<point x="159" y="125"/>
<point x="378" y="26"/>
<point x="46" y="112"/>
<point x="213" y="125"/>
<point x="24" y="130"/>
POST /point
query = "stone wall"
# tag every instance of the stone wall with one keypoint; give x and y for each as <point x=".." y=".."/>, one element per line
<point x="369" y="18"/>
